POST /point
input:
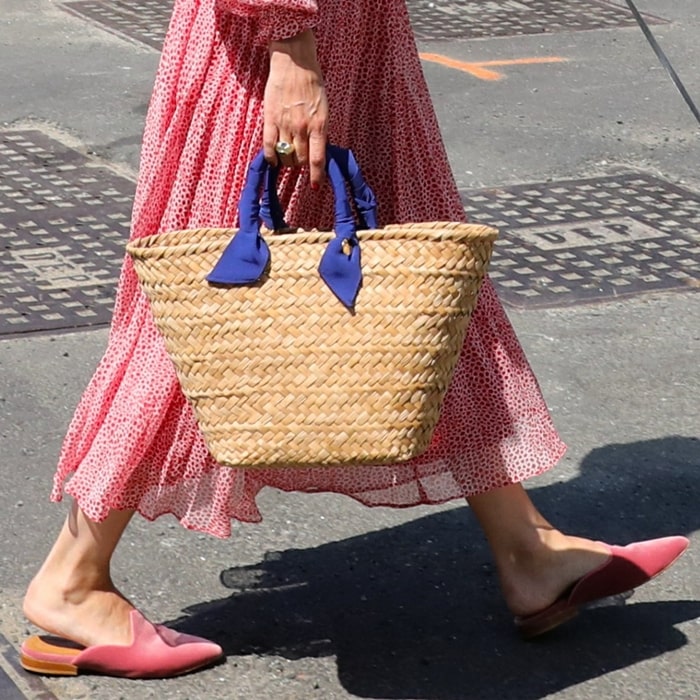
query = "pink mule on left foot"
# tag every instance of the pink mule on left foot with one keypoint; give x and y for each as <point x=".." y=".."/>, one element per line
<point x="626" y="568"/>
<point x="155" y="652"/>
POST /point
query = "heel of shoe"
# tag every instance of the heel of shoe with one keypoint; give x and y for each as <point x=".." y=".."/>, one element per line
<point x="533" y="626"/>
<point x="47" y="668"/>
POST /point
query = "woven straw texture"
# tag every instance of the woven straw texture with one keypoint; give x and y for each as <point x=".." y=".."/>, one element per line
<point x="281" y="374"/>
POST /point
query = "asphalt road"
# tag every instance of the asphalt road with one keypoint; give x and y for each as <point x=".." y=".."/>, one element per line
<point x="326" y="599"/>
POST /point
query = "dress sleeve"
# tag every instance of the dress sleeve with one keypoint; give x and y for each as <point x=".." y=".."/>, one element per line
<point x="274" y="19"/>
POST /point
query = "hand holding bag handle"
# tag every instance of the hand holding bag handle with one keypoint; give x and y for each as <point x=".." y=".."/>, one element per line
<point x="271" y="210"/>
<point x="247" y="255"/>
<point x="365" y="201"/>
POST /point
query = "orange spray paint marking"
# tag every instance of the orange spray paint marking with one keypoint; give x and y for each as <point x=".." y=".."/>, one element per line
<point x="480" y="70"/>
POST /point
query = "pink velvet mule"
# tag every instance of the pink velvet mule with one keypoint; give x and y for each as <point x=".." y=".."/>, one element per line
<point x="626" y="568"/>
<point x="155" y="652"/>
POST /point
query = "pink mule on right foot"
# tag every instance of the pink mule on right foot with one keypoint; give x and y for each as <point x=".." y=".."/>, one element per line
<point x="626" y="568"/>
<point x="155" y="652"/>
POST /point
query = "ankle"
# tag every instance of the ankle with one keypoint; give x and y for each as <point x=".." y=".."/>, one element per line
<point x="525" y="565"/>
<point x="536" y="573"/>
<point x="59" y="586"/>
<point x="530" y="549"/>
<point x="85" y="609"/>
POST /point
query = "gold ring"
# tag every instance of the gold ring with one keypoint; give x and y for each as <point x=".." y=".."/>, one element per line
<point x="284" y="148"/>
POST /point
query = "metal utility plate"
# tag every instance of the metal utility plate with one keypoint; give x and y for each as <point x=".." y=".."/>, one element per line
<point x="146" y="21"/>
<point x="478" y="19"/>
<point x="590" y="240"/>
<point x="64" y="221"/>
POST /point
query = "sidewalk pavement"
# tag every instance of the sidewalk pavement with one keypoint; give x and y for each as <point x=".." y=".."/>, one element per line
<point x="326" y="599"/>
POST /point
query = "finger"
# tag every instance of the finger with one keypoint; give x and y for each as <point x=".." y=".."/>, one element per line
<point x="317" y="158"/>
<point x="270" y="134"/>
<point x="287" y="160"/>
<point x="301" y="148"/>
<point x="286" y="151"/>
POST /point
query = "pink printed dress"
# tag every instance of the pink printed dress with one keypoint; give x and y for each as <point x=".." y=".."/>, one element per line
<point x="134" y="442"/>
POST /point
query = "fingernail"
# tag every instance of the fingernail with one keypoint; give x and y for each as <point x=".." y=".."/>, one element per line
<point x="314" y="186"/>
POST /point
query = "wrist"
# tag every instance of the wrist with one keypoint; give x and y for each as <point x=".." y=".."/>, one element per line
<point x="301" y="48"/>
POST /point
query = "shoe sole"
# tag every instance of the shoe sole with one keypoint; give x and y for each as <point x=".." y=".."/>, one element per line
<point x="47" y="668"/>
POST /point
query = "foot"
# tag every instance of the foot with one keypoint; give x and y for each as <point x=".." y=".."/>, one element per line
<point x="534" y="577"/>
<point x="154" y="652"/>
<point x="625" y="569"/>
<point x="79" y="611"/>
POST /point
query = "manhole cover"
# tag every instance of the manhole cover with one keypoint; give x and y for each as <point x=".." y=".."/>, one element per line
<point x="145" y="21"/>
<point x="590" y="240"/>
<point x="476" y="19"/>
<point x="64" y="222"/>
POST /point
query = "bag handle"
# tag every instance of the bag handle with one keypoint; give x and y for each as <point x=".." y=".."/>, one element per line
<point x="247" y="256"/>
<point x="365" y="202"/>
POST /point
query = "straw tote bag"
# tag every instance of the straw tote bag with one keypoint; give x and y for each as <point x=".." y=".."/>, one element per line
<point x="312" y="347"/>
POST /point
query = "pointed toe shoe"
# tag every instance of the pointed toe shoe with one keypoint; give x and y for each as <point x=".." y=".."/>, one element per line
<point x="155" y="651"/>
<point x="625" y="569"/>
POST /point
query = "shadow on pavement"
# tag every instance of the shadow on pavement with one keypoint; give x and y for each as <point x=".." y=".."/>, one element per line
<point x="415" y="612"/>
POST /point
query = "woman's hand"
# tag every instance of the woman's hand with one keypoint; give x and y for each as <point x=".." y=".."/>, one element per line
<point x="296" y="108"/>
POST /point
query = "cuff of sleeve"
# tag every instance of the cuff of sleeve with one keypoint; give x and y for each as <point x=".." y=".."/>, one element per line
<point x="281" y="23"/>
<point x="273" y="22"/>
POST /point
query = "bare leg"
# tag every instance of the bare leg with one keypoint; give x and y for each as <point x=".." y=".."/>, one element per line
<point x="535" y="561"/>
<point x="72" y="595"/>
